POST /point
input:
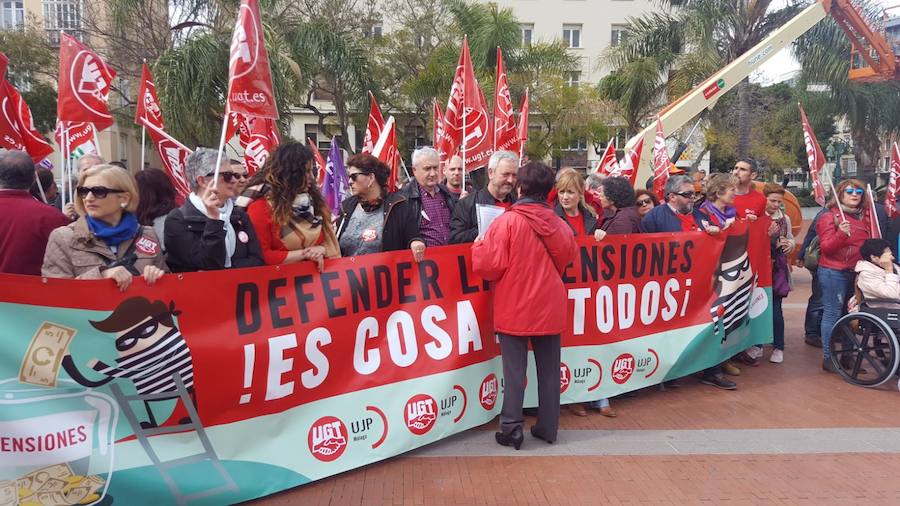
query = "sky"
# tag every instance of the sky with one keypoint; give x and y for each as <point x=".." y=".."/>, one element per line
<point x="783" y="65"/>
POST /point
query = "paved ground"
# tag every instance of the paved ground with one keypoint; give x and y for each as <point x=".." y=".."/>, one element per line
<point x="790" y="434"/>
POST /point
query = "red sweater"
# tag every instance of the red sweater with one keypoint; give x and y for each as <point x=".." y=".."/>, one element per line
<point x="25" y="226"/>
<point x="752" y="202"/>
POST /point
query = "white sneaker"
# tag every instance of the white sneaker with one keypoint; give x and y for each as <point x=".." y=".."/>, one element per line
<point x="777" y="357"/>
<point x="755" y="352"/>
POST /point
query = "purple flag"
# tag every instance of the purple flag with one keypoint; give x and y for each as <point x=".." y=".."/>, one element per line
<point x="336" y="184"/>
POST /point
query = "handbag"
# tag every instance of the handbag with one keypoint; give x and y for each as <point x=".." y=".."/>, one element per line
<point x="781" y="276"/>
<point x="811" y="256"/>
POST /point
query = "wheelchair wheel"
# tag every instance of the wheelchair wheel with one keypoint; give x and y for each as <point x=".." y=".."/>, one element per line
<point x="864" y="349"/>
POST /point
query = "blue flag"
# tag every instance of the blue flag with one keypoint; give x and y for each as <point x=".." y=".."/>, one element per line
<point x="336" y="184"/>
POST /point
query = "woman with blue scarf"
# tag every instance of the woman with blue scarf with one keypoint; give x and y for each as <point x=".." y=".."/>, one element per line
<point x="106" y="241"/>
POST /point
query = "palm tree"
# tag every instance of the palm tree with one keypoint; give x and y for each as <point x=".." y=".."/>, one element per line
<point x="636" y="89"/>
<point x="872" y="110"/>
<point x="696" y="37"/>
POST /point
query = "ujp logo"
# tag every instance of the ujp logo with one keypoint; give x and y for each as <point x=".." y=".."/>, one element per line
<point x="420" y="414"/>
<point x="489" y="388"/>
<point x="565" y="377"/>
<point x="623" y="368"/>
<point x="327" y="438"/>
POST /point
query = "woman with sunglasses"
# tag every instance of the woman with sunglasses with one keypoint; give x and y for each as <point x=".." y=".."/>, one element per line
<point x="373" y="219"/>
<point x="644" y="201"/>
<point x="208" y="232"/>
<point x="290" y="216"/>
<point x="106" y="241"/>
<point x="842" y="230"/>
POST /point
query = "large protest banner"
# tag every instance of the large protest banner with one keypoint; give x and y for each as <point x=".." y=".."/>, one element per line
<point x="219" y="387"/>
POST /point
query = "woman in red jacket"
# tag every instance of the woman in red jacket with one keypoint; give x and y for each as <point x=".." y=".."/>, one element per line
<point x="523" y="254"/>
<point x="842" y="230"/>
<point x="290" y="216"/>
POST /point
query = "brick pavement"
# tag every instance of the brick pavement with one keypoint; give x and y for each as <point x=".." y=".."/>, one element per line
<point x="792" y="395"/>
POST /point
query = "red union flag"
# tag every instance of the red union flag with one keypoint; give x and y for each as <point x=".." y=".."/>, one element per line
<point x="438" y="129"/>
<point x="4" y="63"/>
<point x="608" y="163"/>
<point x="263" y="139"/>
<point x="890" y="196"/>
<point x="79" y="133"/>
<point x="627" y="167"/>
<point x="506" y="133"/>
<point x="174" y="157"/>
<point x="250" y="89"/>
<point x="320" y="162"/>
<point x="84" y="84"/>
<point x="148" y="110"/>
<point x="523" y="125"/>
<point x="814" y="157"/>
<point x="466" y="108"/>
<point x="374" y="125"/>
<point x="874" y="226"/>
<point x="17" y="129"/>
<point x="386" y="151"/>
<point x="661" y="162"/>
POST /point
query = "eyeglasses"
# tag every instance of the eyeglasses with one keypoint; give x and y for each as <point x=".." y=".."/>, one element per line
<point x="226" y="176"/>
<point x="99" y="192"/>
<point x="355" y="175"/>
<point x="851" y="191"/>
<point x="242" y="175"/>
<point x="687" y="194"/>
<point x="643" y="202"/>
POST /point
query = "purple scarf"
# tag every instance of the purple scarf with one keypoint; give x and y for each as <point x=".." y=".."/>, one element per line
<point x="722" y="218"/>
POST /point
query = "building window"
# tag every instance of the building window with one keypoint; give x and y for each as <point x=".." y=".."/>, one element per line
<point x="618" y="35"/>
<point x="577" y="145"/>
<point x="63" y="15"/>
<point x="527" y="34"/>
<point x="572" y="35"/>
<point x="123" y="148"/>
<point x="375" y="32"/>
<point x="12" y="15"/>
<point x="414" y="137"/>
<point x="573" y="78"/>
<point x="849" y="166"/>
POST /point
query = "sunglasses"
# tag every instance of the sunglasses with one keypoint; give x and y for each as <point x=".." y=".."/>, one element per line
<point x="99" y="192"/>
<point x="643" y="202"/>
<point x="226" y="176"/>
<point x="355" y="175"/>
<point x="127" y="341"/>
<point x="687" y="195"/>
<point x="851" y="191"/>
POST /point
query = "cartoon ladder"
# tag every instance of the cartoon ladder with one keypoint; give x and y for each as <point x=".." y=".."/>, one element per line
<point x="166" y="467"/>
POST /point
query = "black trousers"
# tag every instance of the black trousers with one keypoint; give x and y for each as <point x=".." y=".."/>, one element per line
<point x="814" y="308"/>
<point x="514" y="351"/>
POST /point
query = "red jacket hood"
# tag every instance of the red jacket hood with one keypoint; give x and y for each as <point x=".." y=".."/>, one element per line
<point x="539" y="216"/>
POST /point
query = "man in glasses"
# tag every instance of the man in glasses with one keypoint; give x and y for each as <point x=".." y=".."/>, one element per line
<point x="243" y="176"/>
<point x="749" y="203"/>
<point x="208" y="232"/>
<point x="25" y="223"/>
<point x="677" y="213"/>
<point x="150" y="352"/>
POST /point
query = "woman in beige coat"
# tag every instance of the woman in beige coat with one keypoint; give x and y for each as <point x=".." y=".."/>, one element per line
<point x="876" y="275"/>
<point x="106" y="241"/>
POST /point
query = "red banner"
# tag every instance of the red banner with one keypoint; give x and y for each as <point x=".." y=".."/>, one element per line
<point x="661" y="162"/>
<point x="890" y="196"/>
<point x="148" y="110"/>
<point x="17" y="129"/>
<point x="373" y="126"/>
<point x="814" y="157"/>
<point x="506" y="132"/>
<point x="608" y="165"/>
<point x="523" y="125"/>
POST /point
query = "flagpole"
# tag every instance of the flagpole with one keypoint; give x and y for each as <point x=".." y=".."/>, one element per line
<point x="221" y="147"/>
<point x="463" y="112"/>
<point x="40" y="185"/>
<point x="143" y="144"/>
<point x="97" y="140"/>
<point x="62" y="165"/>
<point x="68" y="164"/>
<point x="871" y="203"/>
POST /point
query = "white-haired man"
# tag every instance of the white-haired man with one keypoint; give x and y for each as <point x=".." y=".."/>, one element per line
<point x="502" y="170"/>
<point x="431" y="202"/>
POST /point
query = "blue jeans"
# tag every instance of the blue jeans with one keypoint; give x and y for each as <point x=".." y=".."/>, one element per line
<point x="602" y="403"/>
<point x="836" y="289"/>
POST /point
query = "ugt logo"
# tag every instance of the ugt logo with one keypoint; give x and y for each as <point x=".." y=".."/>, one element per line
<point x="244" y="43"/>
<point x="420" y="414"/>
<point x="327" y="438"/>
<point x="90" y="80"/>
<point x="623" y="368"/>
<point x="565" y="377"/>
<point x="489" y="388"/>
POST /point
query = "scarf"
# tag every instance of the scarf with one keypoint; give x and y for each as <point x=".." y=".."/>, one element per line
<point x="303" y="210"/>
<point x="224" y="215"/>
<point x="113" y="236"/>
<point x="855" y="211"/>
<point x="720" y="216"/>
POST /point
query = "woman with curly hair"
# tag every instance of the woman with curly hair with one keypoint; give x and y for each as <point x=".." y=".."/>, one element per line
<point x="291" y="218"/>
<point x="619" y="214"/>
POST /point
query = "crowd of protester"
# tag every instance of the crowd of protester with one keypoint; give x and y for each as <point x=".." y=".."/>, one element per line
<point x="120" y="226"/>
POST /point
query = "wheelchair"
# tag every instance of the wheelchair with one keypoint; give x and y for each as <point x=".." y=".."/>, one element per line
<point x="864" y="346"/>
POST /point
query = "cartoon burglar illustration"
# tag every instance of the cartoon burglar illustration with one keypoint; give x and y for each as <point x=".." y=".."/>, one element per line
<point x="734" y="284"/>
<point x="151" y="352"/>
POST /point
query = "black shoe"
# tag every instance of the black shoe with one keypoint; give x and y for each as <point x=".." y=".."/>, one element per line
<point x="813" y="341"/>
<point x="530" y="412"/>
<point x="719" y="381"/>
<point x="513" y="439"/>
<point x="540" y="435"/>
<point x="828" y="366"/>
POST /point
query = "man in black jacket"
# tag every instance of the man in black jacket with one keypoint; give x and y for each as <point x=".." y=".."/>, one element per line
<point x="502" y="170"/>
<point x="208" y="232"/>
<point x="430" y="201"/>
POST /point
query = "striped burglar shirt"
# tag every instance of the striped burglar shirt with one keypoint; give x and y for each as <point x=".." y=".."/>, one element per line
<point x="152" y="370"/>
